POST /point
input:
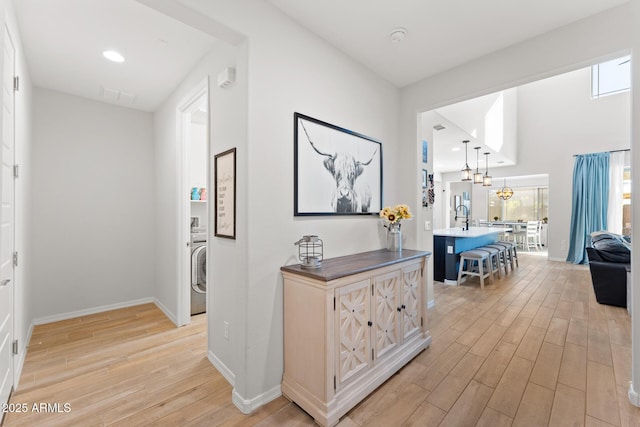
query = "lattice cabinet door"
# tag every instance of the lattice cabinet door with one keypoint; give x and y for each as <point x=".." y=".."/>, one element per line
<point x="386" y="305"/>
<point x="353" y="334"/>
<point x="411" y="310"/>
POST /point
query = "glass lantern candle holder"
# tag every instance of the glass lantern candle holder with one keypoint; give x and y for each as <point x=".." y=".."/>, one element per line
<point x="310" y="251"/>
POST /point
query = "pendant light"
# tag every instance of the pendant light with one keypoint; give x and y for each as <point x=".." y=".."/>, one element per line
<point x="486" y="179"/>
<point x="466" y="172"/>
<point x="477" y="177"/>
<point x="505" y="192"/>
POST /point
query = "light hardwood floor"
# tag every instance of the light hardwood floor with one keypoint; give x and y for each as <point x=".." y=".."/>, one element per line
<point x="533" y="349"/>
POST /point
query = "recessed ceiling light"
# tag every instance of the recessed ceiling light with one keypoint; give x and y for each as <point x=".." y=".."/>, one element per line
<point x="398" y="34"/>
<point x="439" y="126"/>
<point x="112" y="55"/>
<point x="455" y="149"/>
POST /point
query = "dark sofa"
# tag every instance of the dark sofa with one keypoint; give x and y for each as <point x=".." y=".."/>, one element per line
<point x="609" y="261"/>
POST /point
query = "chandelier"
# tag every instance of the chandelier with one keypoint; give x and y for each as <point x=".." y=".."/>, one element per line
<point x="477" y="177"/>
<point x="505" y="192"/>
<point x="486" y="179"/>
<point x="466" y="172"/>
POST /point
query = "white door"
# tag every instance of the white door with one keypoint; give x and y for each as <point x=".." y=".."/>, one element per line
<point x="7" y="223"/>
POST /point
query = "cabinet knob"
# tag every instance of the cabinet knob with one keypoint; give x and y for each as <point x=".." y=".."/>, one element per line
<point x="369" y="323"/>
<point x="399" y="309"/>
<point x="403" y="306"/>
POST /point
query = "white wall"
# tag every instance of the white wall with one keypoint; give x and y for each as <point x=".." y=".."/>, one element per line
<point x="92" y="215"/>
<point x="226" y="269"/>
<point x="558" y="119"/>
<point x="290" y="71"/>
<point x="634" y="387"/>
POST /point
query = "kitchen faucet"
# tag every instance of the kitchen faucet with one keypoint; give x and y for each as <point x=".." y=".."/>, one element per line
<point x="465" y="210"/>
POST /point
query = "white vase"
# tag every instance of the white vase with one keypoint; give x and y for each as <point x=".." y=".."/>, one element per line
<point x="394" y="238"/>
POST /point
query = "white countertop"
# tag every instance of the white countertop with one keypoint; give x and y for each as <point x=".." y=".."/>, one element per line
<point x="472" y="232"/>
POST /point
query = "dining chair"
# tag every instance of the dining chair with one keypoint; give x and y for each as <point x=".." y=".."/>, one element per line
<point x="539" y="235"/>
<point x="527" y="237"/>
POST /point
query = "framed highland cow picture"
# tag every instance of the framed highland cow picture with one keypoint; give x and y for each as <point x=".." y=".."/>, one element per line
<point x="336" y="171"/>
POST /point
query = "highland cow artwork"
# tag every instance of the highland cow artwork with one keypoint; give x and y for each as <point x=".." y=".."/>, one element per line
<point x="336" y="171"/>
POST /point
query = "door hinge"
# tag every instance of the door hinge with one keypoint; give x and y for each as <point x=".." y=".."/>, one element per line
<point x="16" y="83"/>
<point x="15" y="346"/>
<point x="372" y="289"/>
<point x="15" y="259"/>
<point x="16" y="170"/>
<point x="334" y="303"/>
<point x="422" y="321"/>
<point x="334" y="383"/>
<point x="371" y="354"/>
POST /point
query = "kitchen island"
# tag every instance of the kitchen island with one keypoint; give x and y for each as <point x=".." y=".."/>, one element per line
<point x="448" y="243"/>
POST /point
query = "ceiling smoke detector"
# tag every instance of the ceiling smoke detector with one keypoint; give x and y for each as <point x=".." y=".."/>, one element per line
<point x="398" y="34"/>
<point x="439" y="127"/>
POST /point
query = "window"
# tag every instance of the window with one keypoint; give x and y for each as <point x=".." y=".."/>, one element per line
<point x="608" y="78"/>
<point x="526" y="204"/>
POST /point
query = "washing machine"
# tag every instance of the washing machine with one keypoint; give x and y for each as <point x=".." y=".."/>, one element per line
<point x="198" y="273"/>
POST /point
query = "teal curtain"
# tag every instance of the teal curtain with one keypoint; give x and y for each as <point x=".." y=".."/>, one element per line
<point x="590" y="203"/>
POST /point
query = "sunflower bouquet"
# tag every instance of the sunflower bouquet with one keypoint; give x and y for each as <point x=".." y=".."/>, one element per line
<point x="395" y="214"/>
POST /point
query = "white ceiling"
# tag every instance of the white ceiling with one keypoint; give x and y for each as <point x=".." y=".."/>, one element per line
<point x="440" y="34"/>
<point x="465" y="121"/>
<point x="64" y="40"/>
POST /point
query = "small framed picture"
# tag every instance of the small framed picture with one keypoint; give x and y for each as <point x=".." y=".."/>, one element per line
<point x="424" y="178"/>
<point x="425" y="151"/>
<point x="225" y="194"/>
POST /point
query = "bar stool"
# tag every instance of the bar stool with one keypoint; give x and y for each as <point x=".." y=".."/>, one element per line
<point x="503" y="255"/>
<point x="513" y="253"/>
<point x="494" y="259"/>
<point x="475" y="262"/>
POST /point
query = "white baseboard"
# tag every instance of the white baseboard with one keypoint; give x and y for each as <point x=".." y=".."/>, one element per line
<point x="431" y="303"/>
<point x="634" y="396"/>
<point x="222" y="368"/>
<point x="22" y="351"/>
<point x="246" y="406"/>
<point x="556" y="259"/>
<point x="88" y="311"/>
<point x="166" y="311"/>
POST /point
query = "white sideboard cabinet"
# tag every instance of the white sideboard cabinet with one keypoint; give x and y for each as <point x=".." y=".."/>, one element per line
<point x="349" y="325"/>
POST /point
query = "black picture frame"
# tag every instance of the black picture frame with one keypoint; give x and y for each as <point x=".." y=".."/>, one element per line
<point x="322" y="152"/>
<point x="225" y="194"/>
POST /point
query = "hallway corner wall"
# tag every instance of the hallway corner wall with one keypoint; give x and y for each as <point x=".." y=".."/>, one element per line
<point x="93" y="239"/>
